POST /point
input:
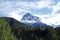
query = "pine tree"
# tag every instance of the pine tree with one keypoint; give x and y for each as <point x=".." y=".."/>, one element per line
<point x="52" y="35"/>
<point x="5" y="30"/>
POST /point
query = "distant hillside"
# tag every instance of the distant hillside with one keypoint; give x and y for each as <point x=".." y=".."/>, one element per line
<point x="13" y="22"/>
<point x="16" y="26"/>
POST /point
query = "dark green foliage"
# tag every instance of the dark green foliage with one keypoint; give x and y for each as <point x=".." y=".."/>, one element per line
<point x="52" y="34"/>
<point x="58" y="31"/>
<point x="5" y="30"/>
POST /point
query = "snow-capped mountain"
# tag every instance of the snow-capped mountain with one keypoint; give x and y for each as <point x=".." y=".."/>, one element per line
<point x="31" y="20"/>
<point x="27" y="18"/>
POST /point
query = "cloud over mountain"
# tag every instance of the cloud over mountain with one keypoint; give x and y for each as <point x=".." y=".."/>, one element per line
<point x="17" y="9"/>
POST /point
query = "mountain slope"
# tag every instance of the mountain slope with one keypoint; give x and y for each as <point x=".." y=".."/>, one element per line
<point x="16" y="26"/>
<point x="13" y="22"/>
<point x="31" y="20"/>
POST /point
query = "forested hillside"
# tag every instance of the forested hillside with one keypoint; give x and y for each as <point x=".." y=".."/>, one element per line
<point x="11" y="29"/>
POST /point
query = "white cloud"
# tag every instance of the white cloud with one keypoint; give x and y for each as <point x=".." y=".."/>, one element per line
<point x="45" y="3"/>
<point x="15" y="15"/>
<point x="38" y="4"/>
<point x="55" y="8"/>
<point x="8" y="7"/>
<point x="55" y="19"/>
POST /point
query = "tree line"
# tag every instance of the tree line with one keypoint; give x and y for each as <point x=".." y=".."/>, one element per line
<point x="23" y="32"/>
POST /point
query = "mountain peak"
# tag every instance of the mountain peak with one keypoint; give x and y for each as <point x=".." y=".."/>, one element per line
<point x="29" y="18"/>
<point x="28" y="14"/>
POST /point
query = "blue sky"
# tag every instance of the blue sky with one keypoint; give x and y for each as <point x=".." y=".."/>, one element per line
<point x="49" y="9"/>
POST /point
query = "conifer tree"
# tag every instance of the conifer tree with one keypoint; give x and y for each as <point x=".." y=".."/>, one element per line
<point x="52" y="35"/>
<point x="5" y="30"/>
